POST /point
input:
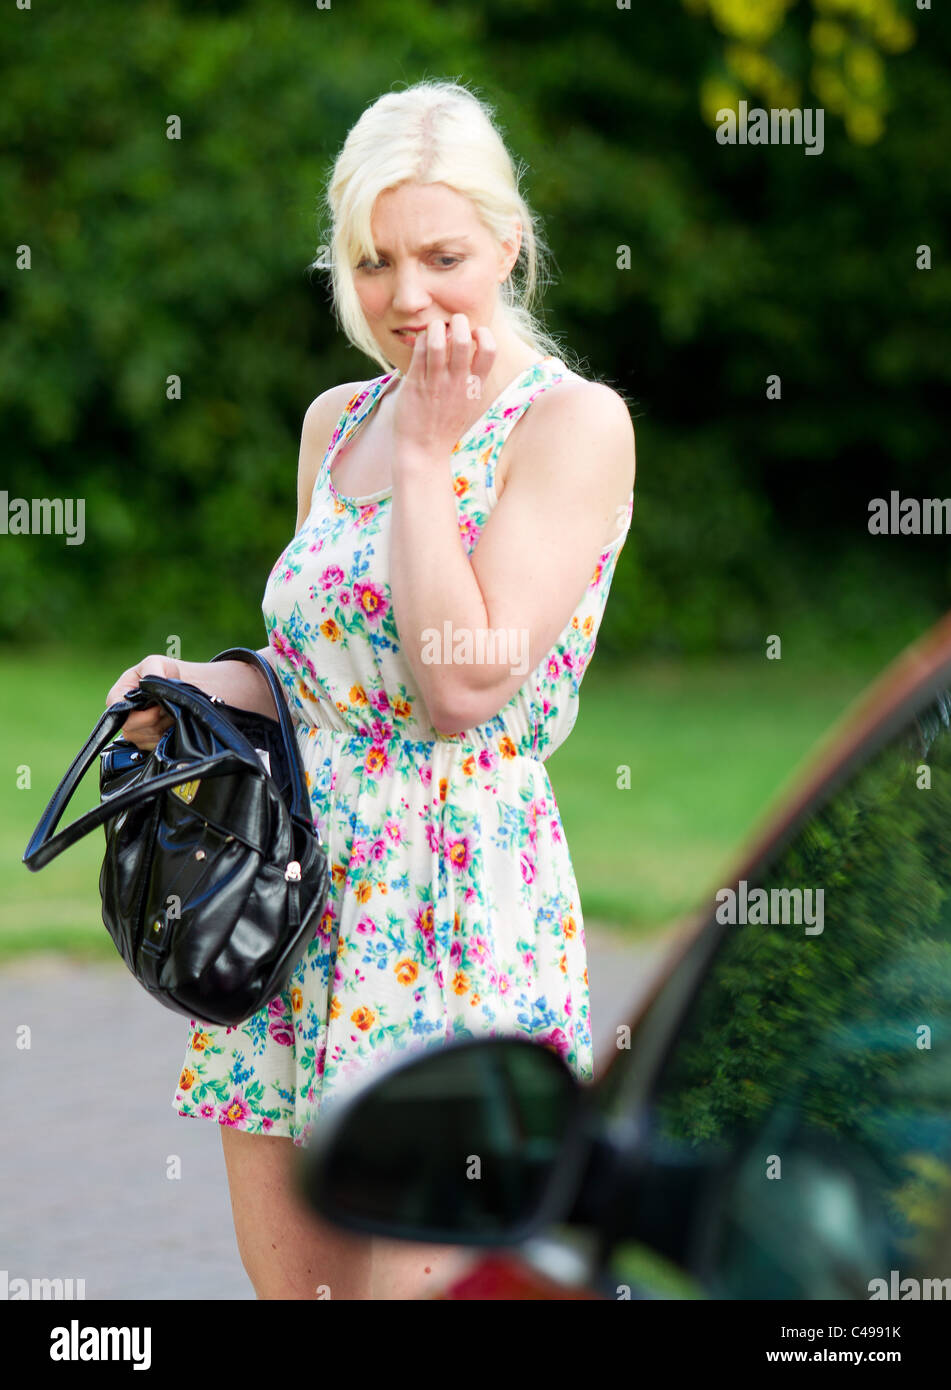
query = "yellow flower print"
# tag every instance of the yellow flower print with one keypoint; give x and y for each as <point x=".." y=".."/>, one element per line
<point x="402" y="709"/>
<point x="468" y="765"/>
<point x="587" y="627"/>
<point x="200" y="1041"/>
<point x="297" y="999"/>
<point x="358" y="695"/>
<point x="186" y="1080"/>
<point x="460" y="982"/>
<point x="569" y="927"/>
<point x="331" y="630"/>
<point x="363" y="892"/>
<point x="474" y="999"/>
<point x="443" y="787"/>
<point x="507" y="747"/>
<point x="406" y="971"/>
<point x="363" y="1017"/>
<point x="335" y="1007"/>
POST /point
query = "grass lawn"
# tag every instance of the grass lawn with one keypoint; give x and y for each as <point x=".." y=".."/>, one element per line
<point x="708" y="744"/>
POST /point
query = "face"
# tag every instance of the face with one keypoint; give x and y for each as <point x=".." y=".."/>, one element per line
<point x="435" y="259"/>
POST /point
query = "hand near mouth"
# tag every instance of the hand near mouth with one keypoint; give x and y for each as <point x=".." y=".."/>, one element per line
<point x="433" y="405"/>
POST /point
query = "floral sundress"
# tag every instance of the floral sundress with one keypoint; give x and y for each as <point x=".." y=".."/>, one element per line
<point x="453" y="909"/>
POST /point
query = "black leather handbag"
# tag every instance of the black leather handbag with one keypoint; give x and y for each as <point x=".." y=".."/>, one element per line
<point x="214" y="876"/>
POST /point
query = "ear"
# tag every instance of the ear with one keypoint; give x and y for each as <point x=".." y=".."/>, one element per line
<point x="510" y="249"/>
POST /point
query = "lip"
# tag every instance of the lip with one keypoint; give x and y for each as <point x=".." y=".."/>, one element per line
<point x="410" y="328"/>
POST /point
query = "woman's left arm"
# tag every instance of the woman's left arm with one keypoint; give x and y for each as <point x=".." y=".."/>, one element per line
<point x="560" y="507"/>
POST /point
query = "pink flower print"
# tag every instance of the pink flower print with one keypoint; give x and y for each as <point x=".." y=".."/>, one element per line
<point x="558" y="1041"/>
<point x="394" y="831"/>
<point x="438" y="977"/>
<point x="266" y="1123"/>
<point x="568" y="661"/>
<point x="319" y="1062"/>
<point x="344" y="596"/>
<point x="280" y="643"/>
<point x="505" y="984"/>
<point x="470" y="531"/>
<point x="487" y="759"/>
<point x="366" y="926"/>
<point x="426" y="775"/>
<point x="377" y="761"/>
<point x="282" y="1033"/>
<point x="478" y="948"/>
<point x="207" y="1111"/>
<point x="432" y="838"/>
<point x="555" y="832"/>
<point x="380" y="701"/>
<point x="528" y="868"/>
<point x="378" y="850"/>
<point x="459" y="854"/>
<point x="455" y="953"/>
<point x="358" y="854"/>
<point x="331" y="576"/>
<point x="371" y="600"/>
<point x="276" y="1008"/>
<point x="568" y="1006"/>
<point x="233" y="1112"/>
<point x="553" y="668"/>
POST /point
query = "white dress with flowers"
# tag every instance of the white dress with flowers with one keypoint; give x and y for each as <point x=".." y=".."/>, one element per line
<point x="453" y="910"/>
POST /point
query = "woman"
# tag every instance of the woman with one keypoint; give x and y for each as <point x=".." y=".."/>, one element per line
<point x="430" y="621"/>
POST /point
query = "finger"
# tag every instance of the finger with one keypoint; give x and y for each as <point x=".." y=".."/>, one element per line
<point x="485" y="351"/>
<point x="435" y="349"/>
<point x="460" y="346"/>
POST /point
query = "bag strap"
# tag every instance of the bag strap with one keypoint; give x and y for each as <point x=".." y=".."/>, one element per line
<point x="300" y="797"/>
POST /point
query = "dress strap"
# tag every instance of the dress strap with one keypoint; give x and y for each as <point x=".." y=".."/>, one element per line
<point x="548" y="371"/>
<point x="354" y="412"/>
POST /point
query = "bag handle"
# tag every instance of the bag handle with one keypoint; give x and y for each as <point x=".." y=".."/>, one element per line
<point x="300" y="798"/>
<point x="44" y="845"/>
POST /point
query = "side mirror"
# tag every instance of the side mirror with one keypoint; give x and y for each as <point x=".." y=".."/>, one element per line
<point x="473" y="1143"/>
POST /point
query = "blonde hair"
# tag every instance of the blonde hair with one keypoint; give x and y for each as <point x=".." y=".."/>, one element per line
<point x="431" y="132"/>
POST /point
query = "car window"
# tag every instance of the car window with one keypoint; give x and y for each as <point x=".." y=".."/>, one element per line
<point x="808" y="1093"/>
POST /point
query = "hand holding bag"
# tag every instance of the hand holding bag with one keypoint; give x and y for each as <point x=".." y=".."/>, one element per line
<point x="214" y="876"/>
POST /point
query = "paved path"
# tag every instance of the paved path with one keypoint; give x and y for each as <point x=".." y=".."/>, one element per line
<point x="88" y="1129"/>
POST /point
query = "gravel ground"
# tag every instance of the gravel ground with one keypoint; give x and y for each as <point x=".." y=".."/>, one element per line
<point x="89" y="1105"/>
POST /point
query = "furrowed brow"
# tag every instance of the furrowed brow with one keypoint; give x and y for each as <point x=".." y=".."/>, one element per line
<point x="433" y="245"/>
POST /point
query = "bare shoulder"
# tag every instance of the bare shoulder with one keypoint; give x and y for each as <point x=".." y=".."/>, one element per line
<point x="575" y="423"/>
<point x="325" y="410"/>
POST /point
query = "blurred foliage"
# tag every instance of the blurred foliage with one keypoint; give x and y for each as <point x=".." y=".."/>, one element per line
<point x="829" y="1025"/>
<point x="154" y="257"/>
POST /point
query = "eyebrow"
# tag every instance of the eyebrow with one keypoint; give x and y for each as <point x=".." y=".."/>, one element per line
<point x="433" y="245"/>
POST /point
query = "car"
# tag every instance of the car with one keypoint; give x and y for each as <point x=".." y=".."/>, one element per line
<point x="776" y="1122"/>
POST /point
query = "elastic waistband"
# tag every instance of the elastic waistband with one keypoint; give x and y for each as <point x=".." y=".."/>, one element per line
<point x="488" y="754"/>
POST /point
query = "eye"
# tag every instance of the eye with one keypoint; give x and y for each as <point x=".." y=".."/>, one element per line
<point x="453" y="260"/>
<point x="367" y="265"/>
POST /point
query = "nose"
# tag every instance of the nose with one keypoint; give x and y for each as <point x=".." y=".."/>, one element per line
<point x="409" y="293"/>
